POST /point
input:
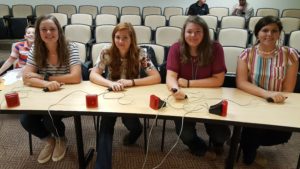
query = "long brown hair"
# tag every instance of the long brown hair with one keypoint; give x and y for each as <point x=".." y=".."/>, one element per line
<point x="132" y="56"/>
<point x="40" y="50"/>
<point x="204" y="49"/>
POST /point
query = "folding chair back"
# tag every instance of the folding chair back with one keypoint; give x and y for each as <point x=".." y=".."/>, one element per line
<point x="81" y="18"/>
<point x="103" y="33"/>
<point x="106" y="19"/>
<point x="133" y="19"/>
<point x="44" y="9"/>
<point x="177" y="20"/>
<point x="88" y="9"/>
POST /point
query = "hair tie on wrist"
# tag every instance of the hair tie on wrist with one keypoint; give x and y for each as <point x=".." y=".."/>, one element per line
<point x="188" y="83"/>
<point x="133" y="83"/>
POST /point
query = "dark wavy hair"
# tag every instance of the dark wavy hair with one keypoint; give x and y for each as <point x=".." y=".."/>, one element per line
<point x="264" y="22"/>
<point x="204" y="48"/>
<point x="132" y="56"/>
<point x="40" y="50"/>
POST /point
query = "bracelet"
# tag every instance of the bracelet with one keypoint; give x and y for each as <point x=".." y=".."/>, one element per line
<point x="188" y="83"/>
<point x="47" y="75"/>
<point x="133" y="83"/>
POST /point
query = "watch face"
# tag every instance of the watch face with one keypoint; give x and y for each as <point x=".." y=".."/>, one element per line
<point x="46" y="77"/>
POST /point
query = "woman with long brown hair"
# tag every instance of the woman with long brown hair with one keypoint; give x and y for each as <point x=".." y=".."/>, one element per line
<point x="123" y="61"/>
<point x="51" y="62"/>
<point x="196" y="61"/>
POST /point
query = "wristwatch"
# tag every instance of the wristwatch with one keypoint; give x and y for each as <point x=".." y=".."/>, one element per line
<point x="47" y="75"/>
<point x="174" y="90"/>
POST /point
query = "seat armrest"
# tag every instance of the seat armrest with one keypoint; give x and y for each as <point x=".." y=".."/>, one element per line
<point x="31" y="19"/>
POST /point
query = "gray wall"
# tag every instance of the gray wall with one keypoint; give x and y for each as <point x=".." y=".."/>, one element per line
<point x="279" y="4"/>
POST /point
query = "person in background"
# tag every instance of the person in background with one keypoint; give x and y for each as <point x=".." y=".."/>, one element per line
<point x="198" y="8"/>
<point x="123" y="61"/>
<point x="243" y="9"/>
<point x="196" y="61"/>
<point x="52" y="61"/>
<point x="19" y="51"/>
<point x="267" y="70"/>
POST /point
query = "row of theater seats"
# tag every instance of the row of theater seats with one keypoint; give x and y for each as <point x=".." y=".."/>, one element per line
<point x="167" y="35"/>
<point x="89" y="56"/>
<point x="88" y="14"/>
<point x="135" y="10"/>
<point x="162" y="36"/>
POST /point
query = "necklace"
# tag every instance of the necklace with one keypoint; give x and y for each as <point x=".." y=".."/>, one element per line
<point x="194" y="72"/>
<point x="266" y="53"/>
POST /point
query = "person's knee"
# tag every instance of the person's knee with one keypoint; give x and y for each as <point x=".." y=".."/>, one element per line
<point x="275" y="138"/>
<point x="284" y="137"/>
<point x="26" y="121"/>
<point x="53" y="121"/>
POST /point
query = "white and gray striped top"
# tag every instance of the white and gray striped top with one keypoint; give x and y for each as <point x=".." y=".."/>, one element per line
<point x="57" y="69"/>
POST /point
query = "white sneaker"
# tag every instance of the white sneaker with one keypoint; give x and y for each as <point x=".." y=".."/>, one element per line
<point x="47" y="151"/>
<point x="60" y="149"/>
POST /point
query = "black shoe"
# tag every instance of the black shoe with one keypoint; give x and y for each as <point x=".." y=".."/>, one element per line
<point x="130" y="139"/>
<point x="198" y="148"/>
<point x="198" y="153"/>
<point x="249" y="156"/>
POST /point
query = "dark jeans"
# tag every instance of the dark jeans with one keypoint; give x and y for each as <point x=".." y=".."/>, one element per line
<point x="218" y="134"/>
<point x="104" y="156"/>
<point x="41" y="126"/>
<point x="252" y="138"/>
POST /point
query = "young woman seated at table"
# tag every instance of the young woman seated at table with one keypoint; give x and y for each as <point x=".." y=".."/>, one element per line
<point x="123" y="61"/>
<point x="266" y="70"/>
<point x="196" y="61"/>
<point x="52" y="61"/>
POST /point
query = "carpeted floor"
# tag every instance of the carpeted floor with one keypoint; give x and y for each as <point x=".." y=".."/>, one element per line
<point x="14" y="150"/>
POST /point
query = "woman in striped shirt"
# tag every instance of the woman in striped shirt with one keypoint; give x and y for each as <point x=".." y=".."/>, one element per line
<point x="52" y="61"/>
<point x="266" y="70"/>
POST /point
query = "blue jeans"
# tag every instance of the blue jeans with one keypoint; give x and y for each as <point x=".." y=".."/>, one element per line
<point x="104" y="156"/>
<point x="218" y="135"/>
<point x="41" y="126"/>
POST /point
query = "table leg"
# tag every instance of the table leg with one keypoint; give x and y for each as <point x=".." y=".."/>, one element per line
<point x="233" y="147"/>
<point x="82" y="160"/>
<point x="145" y="135"/>
<point x="298" y="164"/>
